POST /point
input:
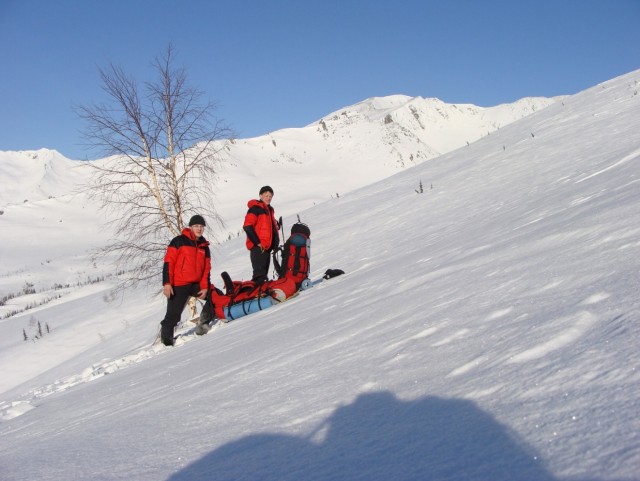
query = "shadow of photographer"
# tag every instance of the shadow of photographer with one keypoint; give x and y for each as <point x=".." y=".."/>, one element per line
<point x="379" y="437"/>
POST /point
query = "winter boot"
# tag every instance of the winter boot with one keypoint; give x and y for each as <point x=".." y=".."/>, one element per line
<point x="166" y="334"/>
<point x="202" y="328"/>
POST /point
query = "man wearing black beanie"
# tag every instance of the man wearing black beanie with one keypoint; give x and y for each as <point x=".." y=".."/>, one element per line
<point x="186" y="270"/>
<point x="261" y="228"/>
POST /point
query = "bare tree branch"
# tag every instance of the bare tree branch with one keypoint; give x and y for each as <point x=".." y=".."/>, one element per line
<point x="162" y="151"/>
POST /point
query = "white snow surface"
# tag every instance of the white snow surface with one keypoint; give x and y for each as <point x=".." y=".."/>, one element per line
<point x="485" y="329"/>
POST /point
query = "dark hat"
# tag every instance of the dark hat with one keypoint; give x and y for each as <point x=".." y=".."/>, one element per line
<point x="266" y="188"/>
<point x="197" y="220"/>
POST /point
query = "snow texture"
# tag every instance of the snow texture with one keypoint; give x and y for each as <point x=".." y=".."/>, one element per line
<point x="485" y="329"/>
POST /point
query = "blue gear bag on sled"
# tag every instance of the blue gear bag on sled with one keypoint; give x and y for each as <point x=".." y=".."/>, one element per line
<point x="248" y="307"/>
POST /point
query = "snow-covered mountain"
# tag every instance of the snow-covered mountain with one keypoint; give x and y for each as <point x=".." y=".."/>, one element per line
<point x="345" y="150"/>
<point x="358" y="145"/>
<point x="31" y="176"/>
<point x="348" y="149"/>
<point x="485" y="329"/>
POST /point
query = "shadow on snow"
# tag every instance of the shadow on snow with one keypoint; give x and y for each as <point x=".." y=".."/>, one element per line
<point x="379" y="437"/>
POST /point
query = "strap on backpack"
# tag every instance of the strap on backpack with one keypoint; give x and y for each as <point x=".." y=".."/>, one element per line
<point x="296" y="262"/>
<point x="276" y="264"/>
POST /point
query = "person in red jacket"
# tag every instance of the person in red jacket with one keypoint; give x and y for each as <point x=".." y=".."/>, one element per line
<point x="186" y="270"/>
<point x="261" y="228"/>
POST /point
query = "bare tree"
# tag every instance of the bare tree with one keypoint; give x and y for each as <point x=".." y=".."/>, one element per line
<point x="162" y="149"/>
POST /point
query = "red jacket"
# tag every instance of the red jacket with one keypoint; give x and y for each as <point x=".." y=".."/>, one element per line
<point x="260" y="225"/>
<point x="187" y="261"/>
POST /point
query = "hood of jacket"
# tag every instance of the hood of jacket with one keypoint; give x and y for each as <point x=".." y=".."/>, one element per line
<point x="254" y="202"/>
<point x="187" y="232"/>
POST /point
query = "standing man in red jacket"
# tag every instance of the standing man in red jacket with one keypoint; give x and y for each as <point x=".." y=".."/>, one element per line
<point x="261" y="228"/>
<point x="187" y="265"/>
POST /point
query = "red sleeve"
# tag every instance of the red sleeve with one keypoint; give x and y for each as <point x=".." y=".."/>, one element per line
<point x="205" y="280"/>
<point x="169" y="265"/>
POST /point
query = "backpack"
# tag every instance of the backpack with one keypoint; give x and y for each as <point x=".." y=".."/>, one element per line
<point x="244" y="297"/>
<point x="296" y="252"/>
<point x="239" y="291"/>
<point x="219" y="304"/>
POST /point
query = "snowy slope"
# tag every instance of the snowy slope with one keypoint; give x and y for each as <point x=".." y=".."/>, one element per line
<point x="486" y="329"/>
<point x="358" y="145"/>
<point x="36" y="175"/>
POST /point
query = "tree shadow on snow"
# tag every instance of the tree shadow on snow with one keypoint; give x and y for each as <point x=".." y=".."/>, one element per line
<point x="379" y="437"/>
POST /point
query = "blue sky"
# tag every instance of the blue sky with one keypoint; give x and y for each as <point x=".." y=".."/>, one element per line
<point x="278" y="64"/>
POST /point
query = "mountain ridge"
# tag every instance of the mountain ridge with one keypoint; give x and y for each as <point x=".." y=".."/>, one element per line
<point x="347" y="149"/>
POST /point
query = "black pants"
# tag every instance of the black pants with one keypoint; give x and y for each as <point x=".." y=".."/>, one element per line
<point x="260" y="261"/>
<point x="175" y="306"/>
